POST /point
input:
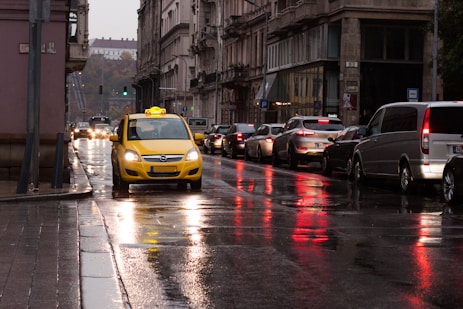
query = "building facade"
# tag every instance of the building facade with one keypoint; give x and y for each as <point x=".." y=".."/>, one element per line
<point x="64" y="49"/>
<point x="336" y="57"/>
<point x="112" y="49"/>
<point x="164" y="66"/>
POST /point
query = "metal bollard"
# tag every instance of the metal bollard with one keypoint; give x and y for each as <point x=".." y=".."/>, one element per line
<point x="57" y="177"/>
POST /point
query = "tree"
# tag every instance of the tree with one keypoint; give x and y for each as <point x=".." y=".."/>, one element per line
<point x="113" y="76"/>
<point x="451" y="52"/>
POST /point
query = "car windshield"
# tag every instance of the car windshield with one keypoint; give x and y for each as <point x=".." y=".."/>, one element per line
<point x="323" y="124"/>
<point x="83" y="125"/>
<point x="156" y="128"/>
<point x="276" y="130"/>
<point x="246" y="128"/>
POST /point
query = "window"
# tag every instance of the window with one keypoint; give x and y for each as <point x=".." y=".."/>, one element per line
<point x="446" y="120"/>
<point x="397" y="119"/>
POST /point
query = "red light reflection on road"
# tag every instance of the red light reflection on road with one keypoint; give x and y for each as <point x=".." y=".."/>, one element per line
<point x="310" y="192"/>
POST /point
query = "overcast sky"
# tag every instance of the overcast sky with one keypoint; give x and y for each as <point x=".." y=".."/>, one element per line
<point x="116" y="19"/>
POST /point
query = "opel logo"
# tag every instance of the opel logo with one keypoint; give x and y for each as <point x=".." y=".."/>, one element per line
<point x="163" y="158"/>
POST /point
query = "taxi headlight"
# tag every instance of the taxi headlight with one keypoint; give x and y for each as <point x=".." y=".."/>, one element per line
<point x="76" y="130"/>
<point x="132" y="156"/>
<point x="192" y="155"/>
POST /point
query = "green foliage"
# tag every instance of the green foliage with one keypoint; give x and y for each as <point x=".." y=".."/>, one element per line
<point x="451" y="54"/>
<point x="114" y="75"/>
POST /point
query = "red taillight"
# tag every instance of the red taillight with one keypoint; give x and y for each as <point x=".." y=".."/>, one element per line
<point x="217" y="136"/>
<point x="425" y="130"/>
<point x="323" y="121"/>
<point x="304" y="133"/>
<point x="239" y="137"/>
<point x="269" y="140"/>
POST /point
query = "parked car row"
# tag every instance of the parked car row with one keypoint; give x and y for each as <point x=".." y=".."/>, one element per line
<point x="408" y="142"/>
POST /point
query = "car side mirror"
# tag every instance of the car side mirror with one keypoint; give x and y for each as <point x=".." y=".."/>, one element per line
<point x="362" y="131"/>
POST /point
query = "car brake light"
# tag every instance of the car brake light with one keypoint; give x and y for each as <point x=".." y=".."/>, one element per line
<point x="324" y="121"/>
<point x="239" y="136"/>
<point x="304" y="133"/>
<point x="425" y="133"/>
<point x="269" y="140"/>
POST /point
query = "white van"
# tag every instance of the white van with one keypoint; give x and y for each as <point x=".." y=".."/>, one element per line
<point x="410" y="141"/>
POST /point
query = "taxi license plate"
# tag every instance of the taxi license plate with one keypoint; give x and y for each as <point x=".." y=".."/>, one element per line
<point x="163" y="169"/>
<point x="457" y="149"/>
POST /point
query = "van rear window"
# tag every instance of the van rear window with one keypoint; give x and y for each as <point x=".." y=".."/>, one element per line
<point x="447" y="120"/>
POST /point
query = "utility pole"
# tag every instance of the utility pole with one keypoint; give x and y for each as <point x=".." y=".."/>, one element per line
<point x="39" y="11"/>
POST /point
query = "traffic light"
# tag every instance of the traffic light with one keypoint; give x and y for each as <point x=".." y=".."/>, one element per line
<point x="125" y="92"/>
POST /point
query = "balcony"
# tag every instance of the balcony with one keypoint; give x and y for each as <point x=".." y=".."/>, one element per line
<point x="235" y="76"/>
<point x="77" y="51"/>
<point x="292" y="17"/>
<point x="234" y="26"/>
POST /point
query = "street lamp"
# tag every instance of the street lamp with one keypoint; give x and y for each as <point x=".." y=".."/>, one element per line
<point x="264" y="79"/>
<point x="184" y="86"/>
<point x="216" y="107"/>
<point x="434" y="51"/>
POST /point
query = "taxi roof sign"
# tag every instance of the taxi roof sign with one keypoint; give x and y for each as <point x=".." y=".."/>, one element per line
<point x="155" y="111"/>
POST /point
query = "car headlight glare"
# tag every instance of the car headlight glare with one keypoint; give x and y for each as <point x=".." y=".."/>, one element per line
<point x="192" y="155"/>
<point x="132" y="156"/>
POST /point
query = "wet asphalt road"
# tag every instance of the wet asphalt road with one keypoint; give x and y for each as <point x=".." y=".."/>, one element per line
<point x="262" y="237"/>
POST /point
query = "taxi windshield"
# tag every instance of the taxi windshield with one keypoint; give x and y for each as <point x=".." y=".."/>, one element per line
<point x="156" y="128"/>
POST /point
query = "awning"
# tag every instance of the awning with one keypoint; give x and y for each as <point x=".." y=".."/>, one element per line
<point x="274" y="90"/>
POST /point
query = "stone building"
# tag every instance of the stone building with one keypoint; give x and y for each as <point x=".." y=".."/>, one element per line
<point x="113" y="49"/>
<point x="336" y="57"/>
<point x="64" y="49"/>
<point x="164" y="66"/>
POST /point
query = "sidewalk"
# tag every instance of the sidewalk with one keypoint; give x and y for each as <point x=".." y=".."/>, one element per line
<point x="54" y="247"/>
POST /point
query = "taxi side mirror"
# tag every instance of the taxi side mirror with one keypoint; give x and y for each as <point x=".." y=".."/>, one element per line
<point x="114" y="138"/>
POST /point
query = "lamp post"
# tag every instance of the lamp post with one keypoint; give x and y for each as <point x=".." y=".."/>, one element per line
<point x="216" y="103"/>
<point x="434" y="51"/>
<point x="184" y="86"/>
<point x="264" y="79"/>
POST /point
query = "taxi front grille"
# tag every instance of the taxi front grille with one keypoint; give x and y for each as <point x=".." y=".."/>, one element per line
<point x="163" y="174"/>
<point x="162" y="158"/>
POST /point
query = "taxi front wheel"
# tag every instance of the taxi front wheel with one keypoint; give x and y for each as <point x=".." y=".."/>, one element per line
<point x="196" y="185"/>
<point x="118" y="184"/>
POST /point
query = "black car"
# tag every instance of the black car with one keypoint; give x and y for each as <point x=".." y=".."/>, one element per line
<point x="452" y="179"/>
<point x="233" y="141"/>
<point x="213" y="138"/>
<point x="338" y="155"/>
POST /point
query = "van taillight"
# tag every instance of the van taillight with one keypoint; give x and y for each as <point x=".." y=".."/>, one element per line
<point x="425" y="130"/>
<point x="239" y="137"/>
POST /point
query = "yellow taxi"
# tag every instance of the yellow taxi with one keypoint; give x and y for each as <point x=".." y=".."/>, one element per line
<point x="155" y="147"/>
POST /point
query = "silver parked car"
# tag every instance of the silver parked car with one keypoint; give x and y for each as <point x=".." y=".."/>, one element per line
<point x="304" y="138"/>
<point x="410" y="142"/>
<point x="213" y="138"/>
<point x="260" y="145"/>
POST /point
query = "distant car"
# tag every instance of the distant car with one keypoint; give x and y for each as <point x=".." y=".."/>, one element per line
<point x="259" y="146"/>
<point x="338" y="155"/>
<point x="102" y="130"/>
<point x="452" y="179"/>
<point x="213" y="138"/>
<point x="233" y="141"/>
<point x="155" y="147"/>
<point x="304" y="139"/>
<point x="82" y="129"/>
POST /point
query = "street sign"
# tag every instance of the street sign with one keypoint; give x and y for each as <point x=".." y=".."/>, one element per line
<point x="184" y="109"/>
<point x="263" y="103"/>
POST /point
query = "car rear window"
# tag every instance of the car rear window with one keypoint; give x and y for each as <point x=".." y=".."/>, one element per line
<point x="447" y="120"/>
<point x="222" y="130"/>
<point x="246" y="128"/>
<point x="323" y="124"/>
